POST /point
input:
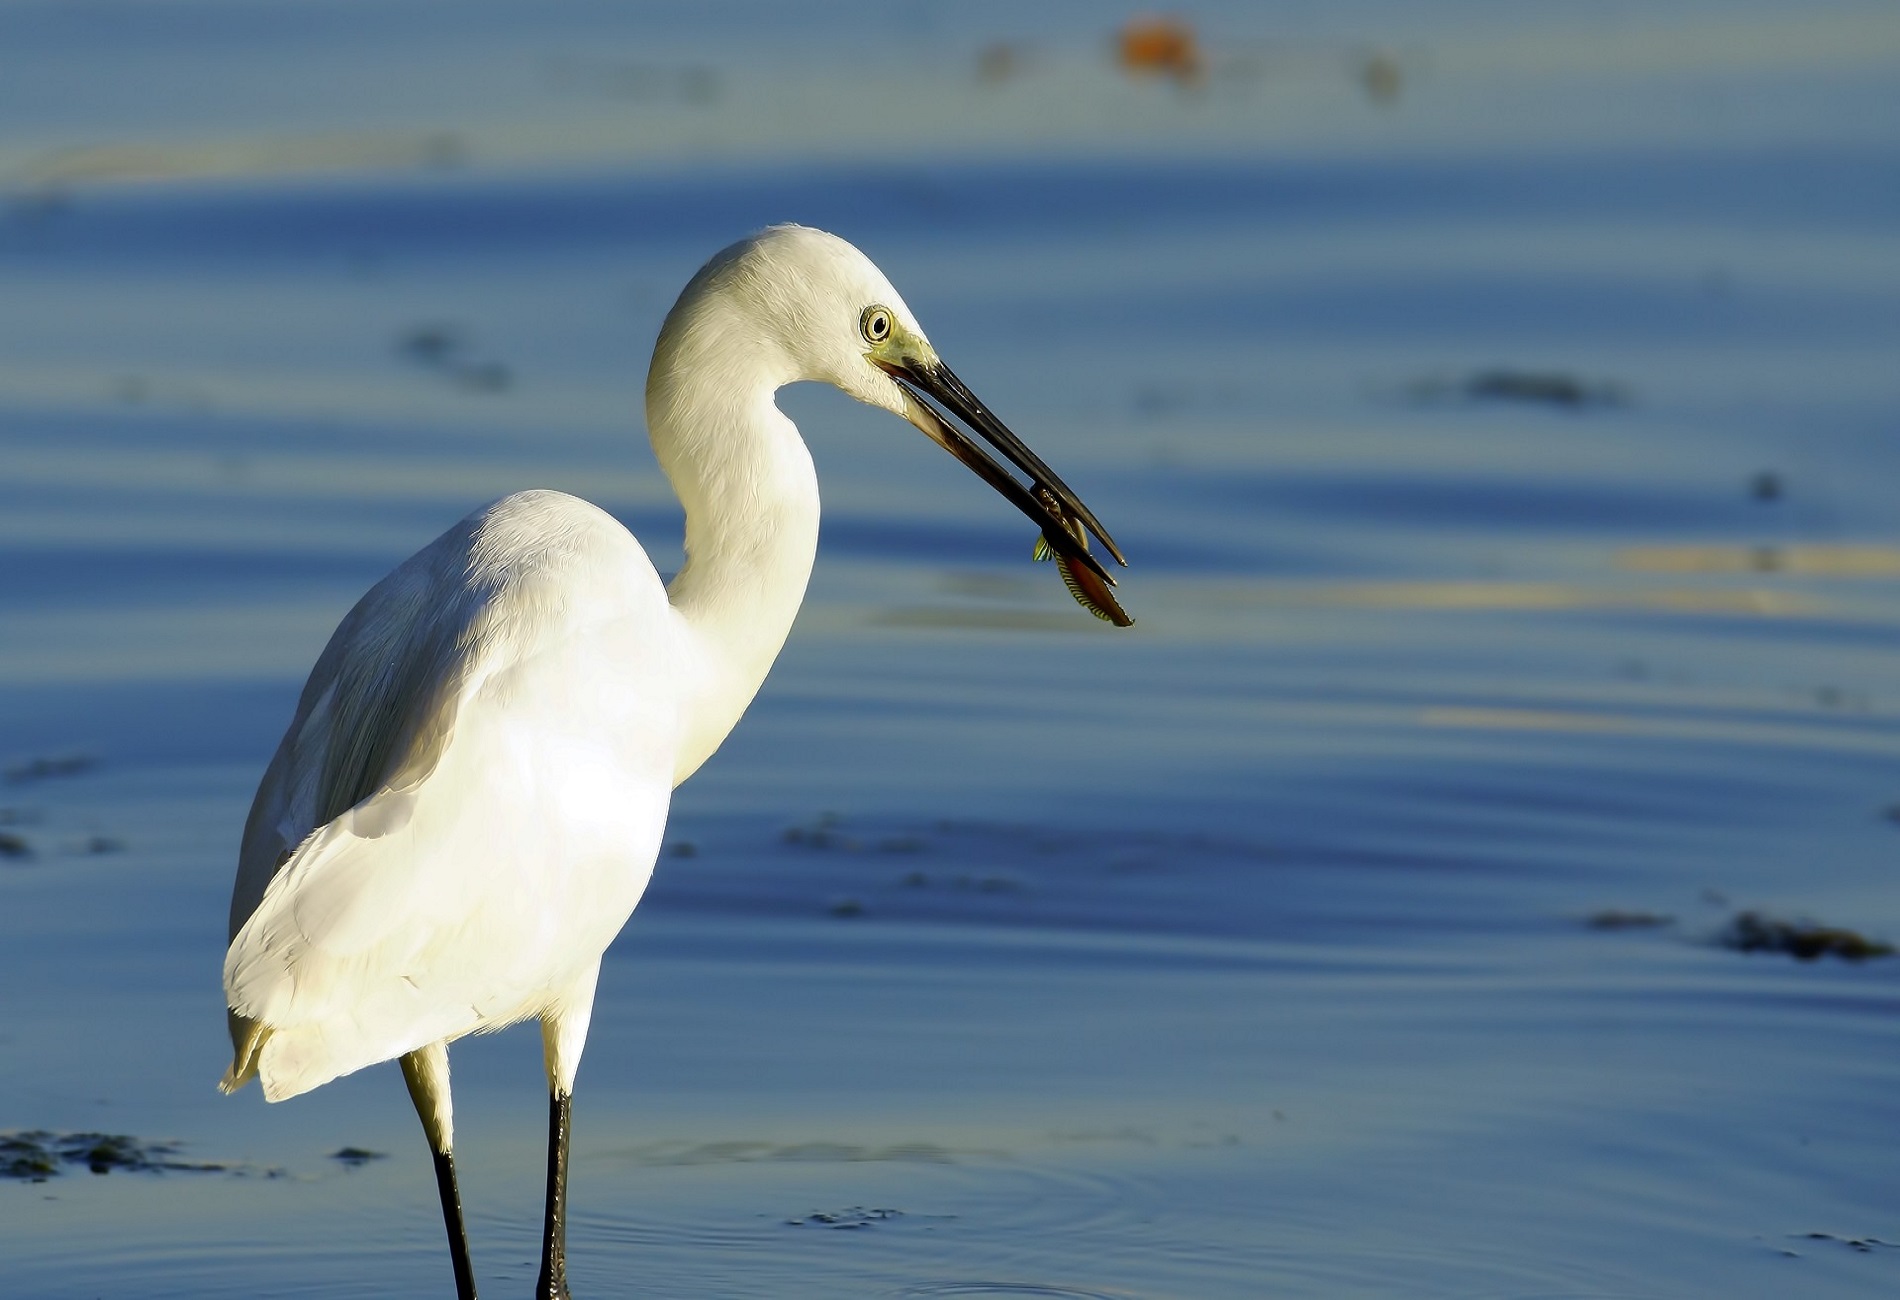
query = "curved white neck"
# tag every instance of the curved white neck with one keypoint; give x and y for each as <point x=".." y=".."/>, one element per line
<point x="746" y="480"/>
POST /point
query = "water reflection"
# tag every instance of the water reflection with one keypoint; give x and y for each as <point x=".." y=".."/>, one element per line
<point x="1802" y="559"/>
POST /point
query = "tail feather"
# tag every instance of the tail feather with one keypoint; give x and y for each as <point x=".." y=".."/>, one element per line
<point x="248" y="1038"/>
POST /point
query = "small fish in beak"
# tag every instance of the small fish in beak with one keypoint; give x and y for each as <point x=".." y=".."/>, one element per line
<point x="1049" y="502"/>
<point x="1090" y="592"/>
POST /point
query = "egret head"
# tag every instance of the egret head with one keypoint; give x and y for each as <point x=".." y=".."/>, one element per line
<point x="812" y="307"/>
<point x="840" y="320"/>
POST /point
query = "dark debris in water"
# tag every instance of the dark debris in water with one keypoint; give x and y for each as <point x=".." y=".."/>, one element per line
<point x="909" y="869"/>
<point x="16" y="847"/>
<point x="1617" y="918"/>
<point x="999" y="61"/>
<point x="1803" y="940"/>
<point x="1381" y="77"/>
<point x="24" y="1155"/>
<point x="1752" y="931"/>
<point x="1539" y="387"/>
<point x="848" y="1219"/>
<point x="1862" y="1245"/>
<point x="445" y="350"/>
<point x="34" y="1155"/>
<point x="822" y="833"/>
<point x="827" y="832"/>
<point x="356" y="1157"/>
<point x="58" y="765"/>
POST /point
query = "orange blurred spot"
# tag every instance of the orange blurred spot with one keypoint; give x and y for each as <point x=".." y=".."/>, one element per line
<point x="1161" y="47"/>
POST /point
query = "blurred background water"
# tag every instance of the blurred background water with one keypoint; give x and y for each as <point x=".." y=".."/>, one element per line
<point x="1498" y="404"/>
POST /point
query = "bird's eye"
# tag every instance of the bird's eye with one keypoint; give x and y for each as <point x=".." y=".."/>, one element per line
<point x="875" y="324"/>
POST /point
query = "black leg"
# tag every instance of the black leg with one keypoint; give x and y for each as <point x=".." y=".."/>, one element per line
<point x="552" y="1284"/>
<point x="426" y="1071"/>
<point x="452" y="1219"/>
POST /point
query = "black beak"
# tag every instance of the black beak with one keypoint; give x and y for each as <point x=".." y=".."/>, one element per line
<point x="936" y="382"/>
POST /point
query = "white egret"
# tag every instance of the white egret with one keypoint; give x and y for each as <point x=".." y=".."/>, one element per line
<point x="470" y="797"/>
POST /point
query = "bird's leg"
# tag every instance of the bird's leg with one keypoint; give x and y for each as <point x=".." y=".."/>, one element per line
<point x="552" y="1284"/>
<point x="563" y="1036"/>
<point x="452" y="1220"/>
<point x="426" y="1071"/>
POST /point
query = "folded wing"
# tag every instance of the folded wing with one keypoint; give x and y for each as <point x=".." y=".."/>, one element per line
<point x="468" y="802"/>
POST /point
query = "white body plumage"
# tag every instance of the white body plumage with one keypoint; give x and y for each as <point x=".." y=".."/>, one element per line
<point x="515" y="689"/>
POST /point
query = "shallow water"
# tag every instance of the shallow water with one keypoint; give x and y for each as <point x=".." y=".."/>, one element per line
<point x="998" y="953"/>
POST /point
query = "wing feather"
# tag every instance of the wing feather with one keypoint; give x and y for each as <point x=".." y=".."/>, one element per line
<point x="468" y="803"/>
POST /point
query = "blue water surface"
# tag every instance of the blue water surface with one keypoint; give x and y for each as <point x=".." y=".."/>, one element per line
<point x="1505" y="463"/>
